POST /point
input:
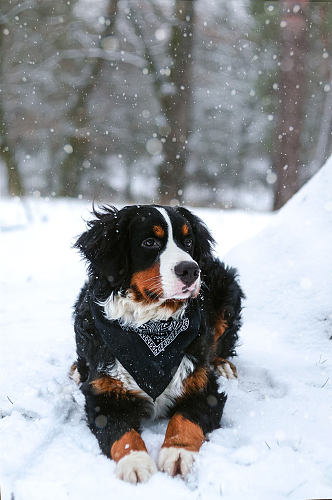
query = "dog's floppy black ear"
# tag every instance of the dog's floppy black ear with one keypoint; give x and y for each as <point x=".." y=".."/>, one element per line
<point x="103" y="245"/>
<point x="204" y="241"/>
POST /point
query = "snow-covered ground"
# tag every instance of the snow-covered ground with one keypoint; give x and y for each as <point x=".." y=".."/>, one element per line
<point x="276" y="435"/>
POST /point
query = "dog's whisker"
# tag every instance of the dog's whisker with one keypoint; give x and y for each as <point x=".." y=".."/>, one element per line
<point x="155" y="291"/>
<point x="155" y="279"/>
<point x="152" y="278"/>
<point x="152" y="283"/>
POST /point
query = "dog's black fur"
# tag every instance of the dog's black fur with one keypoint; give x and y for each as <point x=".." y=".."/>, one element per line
<point x="110" y="246"/>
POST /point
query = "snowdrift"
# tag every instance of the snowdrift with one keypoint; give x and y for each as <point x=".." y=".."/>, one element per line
<point x="285" y="358"/>
<point x="288" y="266"/>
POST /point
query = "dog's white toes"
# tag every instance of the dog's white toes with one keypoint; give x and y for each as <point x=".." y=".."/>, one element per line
<point x="137" y="467"/>
<point x="176" y="461"/>
<point x="227" y="370"/>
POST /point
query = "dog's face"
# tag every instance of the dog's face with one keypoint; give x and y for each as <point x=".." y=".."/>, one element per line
<point x="162" y="264"/>
<point x="153" y="251"/>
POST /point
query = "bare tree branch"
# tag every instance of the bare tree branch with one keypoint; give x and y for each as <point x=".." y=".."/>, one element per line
<point x="21" y="7"/>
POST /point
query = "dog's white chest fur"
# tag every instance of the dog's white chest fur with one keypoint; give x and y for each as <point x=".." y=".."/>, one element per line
<point x="166" y="399"/>
<point x="128" y="312"/>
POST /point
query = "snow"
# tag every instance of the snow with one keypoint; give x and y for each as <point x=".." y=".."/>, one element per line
<point x="275" y="441"/>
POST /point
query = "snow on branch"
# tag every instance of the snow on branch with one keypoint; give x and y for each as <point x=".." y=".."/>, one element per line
<point x="95" y="53"/>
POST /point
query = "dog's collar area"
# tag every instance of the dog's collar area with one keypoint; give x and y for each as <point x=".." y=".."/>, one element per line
<point x="152" y="352"/>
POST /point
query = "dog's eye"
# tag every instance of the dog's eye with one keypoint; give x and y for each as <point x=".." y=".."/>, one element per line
<point x="150" y="243"/>
<point x="188" y="242"/>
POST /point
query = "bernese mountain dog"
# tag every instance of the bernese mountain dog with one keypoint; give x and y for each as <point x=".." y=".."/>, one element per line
<point x="155" y="323"/>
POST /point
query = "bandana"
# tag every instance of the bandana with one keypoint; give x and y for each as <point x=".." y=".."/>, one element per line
<point x="152" y="352"/>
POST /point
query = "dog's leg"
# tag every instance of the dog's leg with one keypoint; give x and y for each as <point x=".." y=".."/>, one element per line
<point x="114" y="416"/>
<point x="195" y="414"/>
<point x="223" y="301"/>
<point x="182" y="442"/>
<point x="222" y="366"/>
<point x="134" y="464"/>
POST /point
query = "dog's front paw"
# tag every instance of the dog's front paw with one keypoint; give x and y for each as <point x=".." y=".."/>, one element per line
<point x="137" y="467"/>
<point x="176" y="461"/>
<point x="226" y="369"/>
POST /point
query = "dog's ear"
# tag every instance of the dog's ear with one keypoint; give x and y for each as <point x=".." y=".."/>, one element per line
<point x="104" y="245"/>
<point x="204" y="241"/>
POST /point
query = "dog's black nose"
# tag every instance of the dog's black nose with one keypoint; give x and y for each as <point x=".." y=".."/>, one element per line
<point x="188" y="272"/>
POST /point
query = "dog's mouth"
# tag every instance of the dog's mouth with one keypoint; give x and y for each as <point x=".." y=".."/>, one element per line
<point x="161" y="291"/>
<point x="184" y="292"/>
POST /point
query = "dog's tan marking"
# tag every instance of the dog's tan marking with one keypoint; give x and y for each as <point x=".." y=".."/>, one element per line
<point x="137" y="296"/>
<point x="130" y="441"/>
<point x="148" y="284"/>
<point x="107" y="384"/>
<point x="196" y="381"/>
<point x="72" y="370"/>
<point x="219" y="329"/>
<point x="182" y="433"/>
<point x="185" y="229"/>
<point x="172" y="305"/>
<point x="158" y="231"/>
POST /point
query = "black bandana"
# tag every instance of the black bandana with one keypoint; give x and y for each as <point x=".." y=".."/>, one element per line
<point x="151" y="353"/>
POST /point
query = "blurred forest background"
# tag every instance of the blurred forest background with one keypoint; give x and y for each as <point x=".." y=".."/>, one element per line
<point x="203" y="102"/>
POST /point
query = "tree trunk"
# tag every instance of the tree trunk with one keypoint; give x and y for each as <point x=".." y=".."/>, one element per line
<point x="177" y="105"/>
<point x="14" y="181"/>
<point x="71" y="168"/>
<point x="324" y="133"/>
<point x="7" y="153"/>
<point x="293" y="37"/>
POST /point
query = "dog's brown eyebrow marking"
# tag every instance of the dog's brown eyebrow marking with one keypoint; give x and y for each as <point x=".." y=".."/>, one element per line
<point x="185" y="229"/>
<point x="158" y="231"/>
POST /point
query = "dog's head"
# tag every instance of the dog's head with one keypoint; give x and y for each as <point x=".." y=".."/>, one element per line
<point x="155" y="252"/>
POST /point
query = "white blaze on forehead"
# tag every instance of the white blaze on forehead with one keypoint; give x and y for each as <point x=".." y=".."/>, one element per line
<point x="172" y="254"/>
<point x="170" y="257"/>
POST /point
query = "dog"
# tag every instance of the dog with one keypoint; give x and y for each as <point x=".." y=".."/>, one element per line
<point x="155" y="325"/>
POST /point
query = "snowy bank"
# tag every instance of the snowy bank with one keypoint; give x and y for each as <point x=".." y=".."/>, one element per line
<point x="284" y="395"/>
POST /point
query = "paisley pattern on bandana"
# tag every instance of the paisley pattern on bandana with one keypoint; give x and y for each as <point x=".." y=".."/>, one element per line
<point x="159" y="334"/>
